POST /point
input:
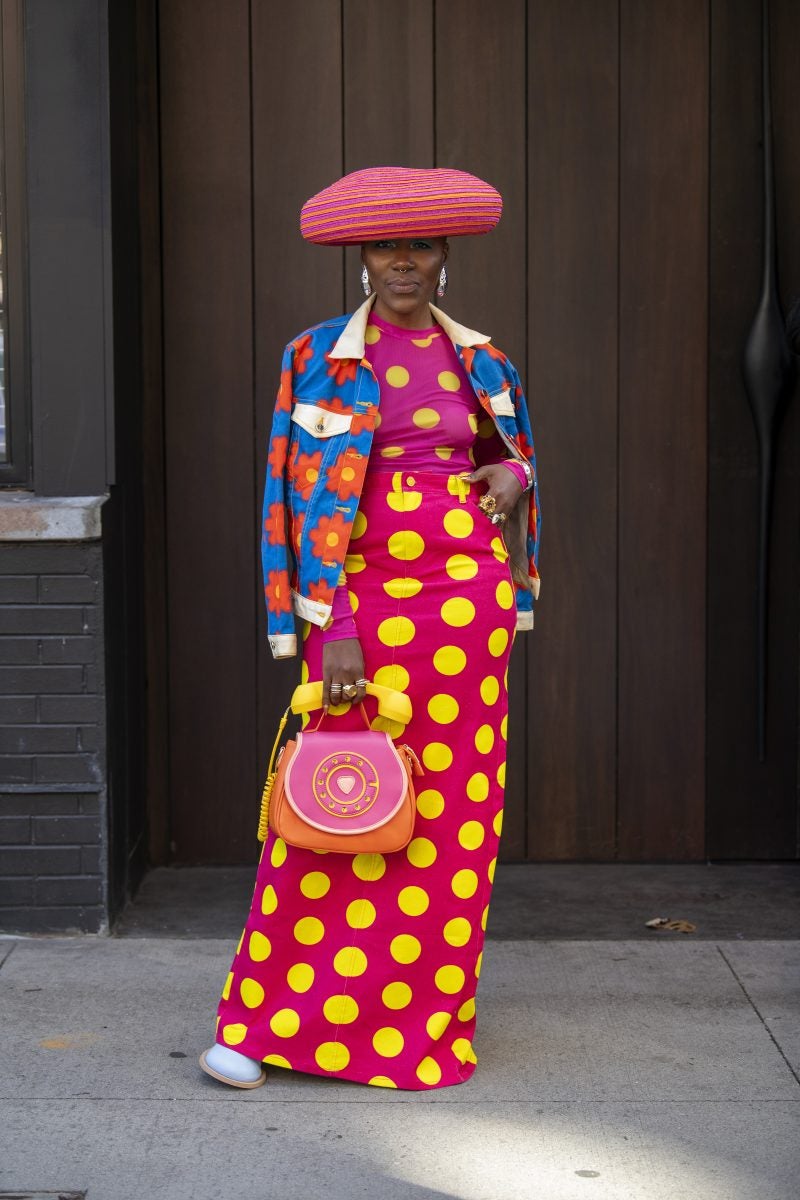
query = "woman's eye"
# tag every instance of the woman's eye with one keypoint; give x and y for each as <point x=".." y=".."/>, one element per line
<point x="421" y="246"/>
<point x="383" y="245"/>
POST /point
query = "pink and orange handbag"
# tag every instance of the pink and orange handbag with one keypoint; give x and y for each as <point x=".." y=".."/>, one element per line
<point x="349" y="791"/>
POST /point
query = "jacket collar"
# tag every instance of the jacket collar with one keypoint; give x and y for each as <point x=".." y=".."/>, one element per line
<point x="351" y="341"/>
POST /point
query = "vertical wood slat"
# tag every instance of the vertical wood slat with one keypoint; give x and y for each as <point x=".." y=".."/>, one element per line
<point x="207" y="252"/>
<point x="388" y="113"/>
<point x="737" y="826"/>
<point x="662" y="424"/>
<point x="480" y="127"/>
<point x="297" y="150"/>
<point x="573" y="252"/>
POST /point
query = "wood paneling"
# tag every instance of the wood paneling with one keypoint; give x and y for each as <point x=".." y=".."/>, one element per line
<point x="573" y="107"/>
<point x="662" y="428"/>
<point x="208" y="383"/>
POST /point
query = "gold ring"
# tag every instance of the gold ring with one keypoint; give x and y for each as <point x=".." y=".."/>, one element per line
<point x="350" y="690"/>
<point x="487" y="503"/>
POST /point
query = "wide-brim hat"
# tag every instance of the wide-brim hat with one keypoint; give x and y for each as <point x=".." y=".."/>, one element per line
<point x="383" y="202"/>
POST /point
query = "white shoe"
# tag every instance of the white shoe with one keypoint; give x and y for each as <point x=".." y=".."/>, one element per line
<point x="231" y="1067"/>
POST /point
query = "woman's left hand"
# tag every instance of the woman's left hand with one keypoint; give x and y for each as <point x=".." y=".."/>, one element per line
<point x="503" y="485"/>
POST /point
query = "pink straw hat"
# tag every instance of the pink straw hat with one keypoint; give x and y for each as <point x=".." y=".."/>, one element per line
<point x="382" y="202"/>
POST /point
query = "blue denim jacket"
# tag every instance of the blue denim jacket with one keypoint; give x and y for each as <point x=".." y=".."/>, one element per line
<point x="319" y="451"/>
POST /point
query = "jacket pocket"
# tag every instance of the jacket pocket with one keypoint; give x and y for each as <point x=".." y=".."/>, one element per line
<point x="502" y="404"/>
<point x="321" y="422"/>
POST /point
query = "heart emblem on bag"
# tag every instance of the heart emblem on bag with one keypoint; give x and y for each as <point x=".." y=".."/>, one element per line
<point x="346" y="783"/>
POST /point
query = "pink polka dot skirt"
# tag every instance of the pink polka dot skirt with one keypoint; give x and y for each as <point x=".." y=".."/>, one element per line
<point x="365" y="967"/>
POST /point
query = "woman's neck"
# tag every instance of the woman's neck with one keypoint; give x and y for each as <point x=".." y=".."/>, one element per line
<point x="417" y="318"/>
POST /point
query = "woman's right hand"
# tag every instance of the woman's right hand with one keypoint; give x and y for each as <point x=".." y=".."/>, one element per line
<point x="342" y="663"/>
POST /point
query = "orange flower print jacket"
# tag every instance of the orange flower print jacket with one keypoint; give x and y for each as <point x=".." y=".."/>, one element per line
<point x="319" y="450"/>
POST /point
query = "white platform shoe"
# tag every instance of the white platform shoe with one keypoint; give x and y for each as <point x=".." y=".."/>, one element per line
<point x="228" y="1066"/>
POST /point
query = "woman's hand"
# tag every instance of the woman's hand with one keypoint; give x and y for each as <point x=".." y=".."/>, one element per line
<point x="503" y="485"/>
<point x="342" y="664"/>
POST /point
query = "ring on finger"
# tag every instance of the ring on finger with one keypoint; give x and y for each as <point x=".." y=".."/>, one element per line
<point x="335" y="687"/>
<point x="487" y="503"/>
<point x="362" y="682"/>
<point x="498" y="518"/>
<point x="350" y="690"/>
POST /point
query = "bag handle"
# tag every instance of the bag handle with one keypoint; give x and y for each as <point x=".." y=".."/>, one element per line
<point x="394" y="705"/>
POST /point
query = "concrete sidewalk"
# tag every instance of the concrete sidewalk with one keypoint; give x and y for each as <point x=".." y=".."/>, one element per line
<point x="614" y="1070"/>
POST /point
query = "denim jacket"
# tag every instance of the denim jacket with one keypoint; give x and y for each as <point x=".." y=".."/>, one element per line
<point x="319" y="451"/>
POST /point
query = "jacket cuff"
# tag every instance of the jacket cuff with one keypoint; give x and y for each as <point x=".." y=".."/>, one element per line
<point x="524" y="621"/>
<point x="283" y="645"/>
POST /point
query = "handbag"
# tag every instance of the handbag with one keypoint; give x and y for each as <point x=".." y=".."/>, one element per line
<point x="349" y="791"/>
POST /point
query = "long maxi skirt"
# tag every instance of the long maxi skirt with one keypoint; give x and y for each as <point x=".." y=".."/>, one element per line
<point x="365" y="967"/>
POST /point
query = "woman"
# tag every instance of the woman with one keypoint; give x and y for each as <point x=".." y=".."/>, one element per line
<point x="401" y="474"/>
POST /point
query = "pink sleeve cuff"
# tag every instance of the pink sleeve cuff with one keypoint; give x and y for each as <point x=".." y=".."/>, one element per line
<point x="518" y="470"/>
<point x="342" y="624"/>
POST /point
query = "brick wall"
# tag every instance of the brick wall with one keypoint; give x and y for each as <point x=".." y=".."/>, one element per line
<point x="52" y="737"/>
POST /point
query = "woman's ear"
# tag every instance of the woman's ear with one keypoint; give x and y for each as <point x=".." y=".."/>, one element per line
<point x="445" y="251"/>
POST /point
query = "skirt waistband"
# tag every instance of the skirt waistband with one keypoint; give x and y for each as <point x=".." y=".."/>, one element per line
<point x="427" y="482"/>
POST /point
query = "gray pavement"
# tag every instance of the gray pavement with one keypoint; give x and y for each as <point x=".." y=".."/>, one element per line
<point x="659" y="1069"/>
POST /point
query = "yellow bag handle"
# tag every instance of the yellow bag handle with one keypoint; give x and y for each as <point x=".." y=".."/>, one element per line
<point x="394" y="705"/>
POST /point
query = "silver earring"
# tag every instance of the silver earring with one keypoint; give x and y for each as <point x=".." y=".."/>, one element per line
<point x="442" y="285"/>
<point x="365" y="283"/>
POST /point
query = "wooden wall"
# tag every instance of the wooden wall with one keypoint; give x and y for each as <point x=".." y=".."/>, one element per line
<point x="623" y="136"/>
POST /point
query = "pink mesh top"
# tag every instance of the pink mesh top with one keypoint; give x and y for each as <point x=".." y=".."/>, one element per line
<point x="429" y="419"/>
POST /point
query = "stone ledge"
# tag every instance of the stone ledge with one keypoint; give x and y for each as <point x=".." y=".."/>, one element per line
<point x="28" y="518"/>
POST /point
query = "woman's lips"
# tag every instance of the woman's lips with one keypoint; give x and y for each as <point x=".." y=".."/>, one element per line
<point x="403" y="285"/>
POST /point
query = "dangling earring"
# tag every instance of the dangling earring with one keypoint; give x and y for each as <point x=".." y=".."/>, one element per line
<point x="442" y="285"/>
<point x="365" y="283"/>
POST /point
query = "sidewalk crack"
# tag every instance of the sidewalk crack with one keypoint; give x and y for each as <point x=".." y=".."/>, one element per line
<point x="757" y="1011"/>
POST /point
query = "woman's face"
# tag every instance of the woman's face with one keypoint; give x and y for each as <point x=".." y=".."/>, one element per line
<point x="404" y="273"/>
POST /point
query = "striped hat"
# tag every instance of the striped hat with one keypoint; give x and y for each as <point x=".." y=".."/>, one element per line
<point x="382" y="202"/>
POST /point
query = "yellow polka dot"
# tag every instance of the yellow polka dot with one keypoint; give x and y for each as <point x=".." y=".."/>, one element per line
<point x="478" y="965"/>
<point x="252" y="993"/>
<point x="443" y="709"/>
<point x="478" y="786"/>
<point x="437" y="1024"/>
<point x="241" y="942"/>
<point x="269" y="901"/>
<point x="278" y="855"/>
<point x="490" y="689"/>
<point x="304" y="677"/>
<point x="425" y="418"/>
<point x="340" y="1010"/>
<point x="382" y="1081"/>
<point x="402" y="589"/>
<point x="369" y="866"/>
<point x="449" y="979"/>
<point x="332" y="1056"/>
<point x="300" y="977"/>
<point x="429" y="1071"/>
<point x="437" y="756"/>
<point x="449" y="660"/>
<point x="234" y="1034"/>
<point x="504" y="594"/>
<point x="501" y="774"/>
<point x="499" y="549"/>
<point x="472" y="421"/>
<point x="491" y="869"/>
<point x="226" y="991"/>
<point x="471" y="835"/>
<point x="461" y="566"/>
<point x="354" y="563"/>
<point x="497" y="823"/>
<point x="405" y="948"/>
<point x="372" y="335"/>
<point x="413" y="901"/>
<point x="277" y="1060"/>
<point x="449" y="381"/>
<point x="458" y="611"/>
<point x="426" y="341"/>
<point x="359" y="526"/>
<point x="504" y="728"/>
<point x="393" y="676"/>
<point x="444" y="452"/>
<point x="486" y="428"/>
<point x="498" y="640"/>
<point x="464" y="884"/>
<point x="421" y="852"/>
<point x="484" y="739"/>
<point x="484" y="917"/>
<point x="396" y="995"/>
<point x="467" y="1010"/>
<point x="309" y="931"/>
<point x="396" y="631"/>
<point x="315" y="884"/>
<point x="397" y="376"/>
<point x="350" y="961"/>
<point x="360" y="914"/>
<point x="462" y="1048"/>
<point x="388" y="1042"/>
<point x="457" y="932"/>
<point x="430" y="803"/>
<point x="458" y="522"/>
<point x="259" y="947"/>
<point x="405" y="544"/>
<point x="353" y="598"/>
<point x="391" y="452"/>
